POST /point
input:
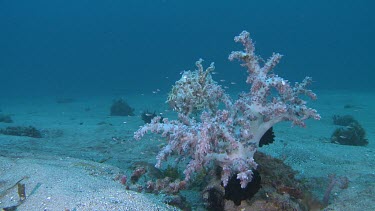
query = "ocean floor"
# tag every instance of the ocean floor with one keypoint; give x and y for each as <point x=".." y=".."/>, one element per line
<point x="83" y="150"/>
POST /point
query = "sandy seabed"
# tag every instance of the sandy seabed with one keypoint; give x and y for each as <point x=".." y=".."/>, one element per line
<point x="74" y="165"/>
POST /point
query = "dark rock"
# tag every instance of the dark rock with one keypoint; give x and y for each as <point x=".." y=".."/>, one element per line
<point x="345" y="120"/>
<point x="121" y="108"/>
<point x="5" y="118"/>
<point x="22" y="131"/>
<point x="353" y="134"/>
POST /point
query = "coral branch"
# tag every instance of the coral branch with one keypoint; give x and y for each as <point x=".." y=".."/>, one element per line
<point x="229" y="136"/>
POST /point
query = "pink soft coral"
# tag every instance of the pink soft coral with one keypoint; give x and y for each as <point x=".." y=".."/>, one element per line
<point x="229" y="136"/>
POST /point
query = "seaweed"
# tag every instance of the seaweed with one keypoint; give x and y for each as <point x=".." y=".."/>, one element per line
<point x="21" y="194"/>
<point x="3" y="193"/>
<point x="21" y="189"/>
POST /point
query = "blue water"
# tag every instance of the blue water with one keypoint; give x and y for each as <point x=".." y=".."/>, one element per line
<point x="50" y="47"/>
<point x="62" y="62"/>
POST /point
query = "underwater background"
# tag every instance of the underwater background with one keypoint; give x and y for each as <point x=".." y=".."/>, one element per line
<point x="120" y="46"/>
<point x="78" y="78"/>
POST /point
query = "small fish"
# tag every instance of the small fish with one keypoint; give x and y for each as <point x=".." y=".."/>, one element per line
<point x="233" y="83"/>
<point x="222" y="80"/>
<point x="344" y="137"/>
